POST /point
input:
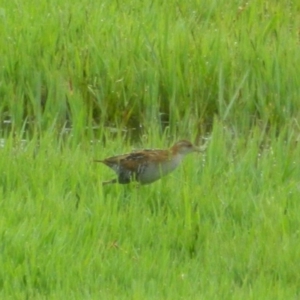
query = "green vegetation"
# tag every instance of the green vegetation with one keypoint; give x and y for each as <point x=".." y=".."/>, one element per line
<point x="225" y="225"/>
<point x="81" y="80"/>
<point x="134" y="62"/>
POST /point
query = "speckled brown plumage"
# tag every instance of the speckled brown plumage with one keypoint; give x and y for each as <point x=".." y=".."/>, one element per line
<point x="148" y="165"/>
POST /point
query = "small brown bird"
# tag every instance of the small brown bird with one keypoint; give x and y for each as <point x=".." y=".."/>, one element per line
<point x="149" y="165"/>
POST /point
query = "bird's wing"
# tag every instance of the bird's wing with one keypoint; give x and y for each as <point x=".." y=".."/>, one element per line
<point x="133" y="160"/>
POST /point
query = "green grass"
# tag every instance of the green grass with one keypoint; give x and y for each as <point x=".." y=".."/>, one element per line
<point x="225" y="225"/>
<point x="136" y="62"/>
<point x="81" y="80"/>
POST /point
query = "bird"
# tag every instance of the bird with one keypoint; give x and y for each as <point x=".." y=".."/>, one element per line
<point x="148" y="165"/>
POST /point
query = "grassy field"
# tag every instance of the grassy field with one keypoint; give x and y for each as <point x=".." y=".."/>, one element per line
<point x="225" y="225"/>
<point x="87" y="80"/>
<point x="140" y="62"/>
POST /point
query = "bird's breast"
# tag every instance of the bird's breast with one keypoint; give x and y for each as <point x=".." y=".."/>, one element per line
<point x="153" y="171"/>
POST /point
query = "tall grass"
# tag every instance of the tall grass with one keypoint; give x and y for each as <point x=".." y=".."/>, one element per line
<point x="79" y="79"/>
<point x="137" y="62"/>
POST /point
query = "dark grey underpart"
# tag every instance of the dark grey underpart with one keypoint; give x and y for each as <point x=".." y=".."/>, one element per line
<point x="126" y="176"/>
